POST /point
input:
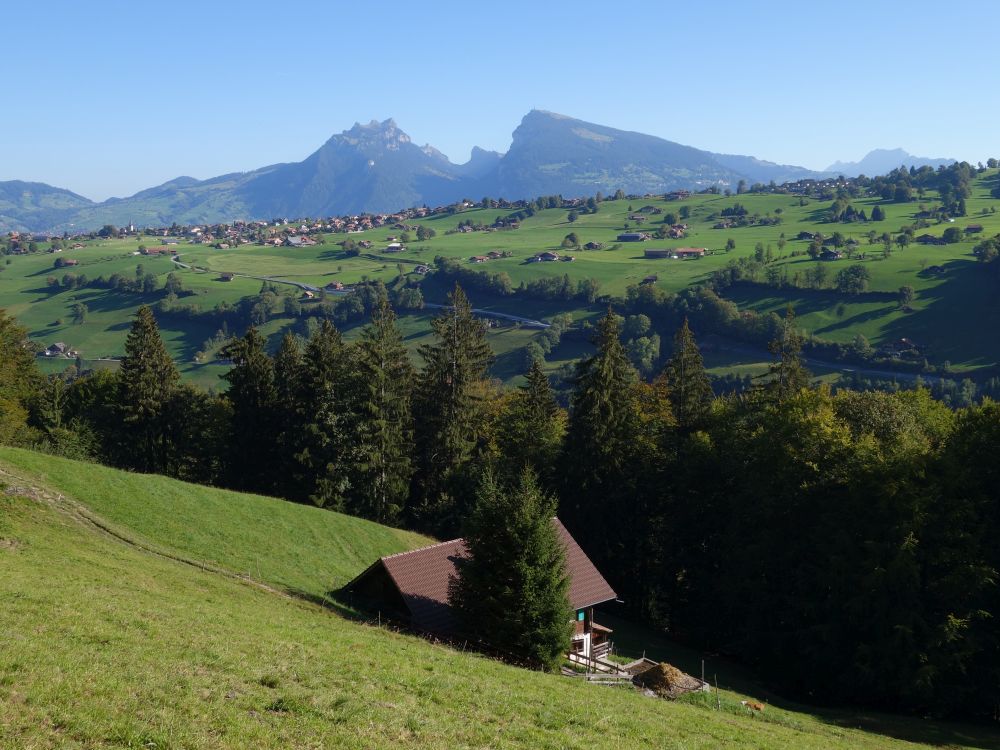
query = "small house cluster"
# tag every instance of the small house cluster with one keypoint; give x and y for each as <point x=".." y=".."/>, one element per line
<point x="59" y="349"/>
<point x="550" y="256"/>
<point x="681" y="253"/>
<point x="491" y="255"/>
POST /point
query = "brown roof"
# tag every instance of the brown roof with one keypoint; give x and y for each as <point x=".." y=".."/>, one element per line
<point x="422" y="577"/>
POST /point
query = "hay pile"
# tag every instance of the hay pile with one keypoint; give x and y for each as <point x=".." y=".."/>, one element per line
<point x="667" y="681"/>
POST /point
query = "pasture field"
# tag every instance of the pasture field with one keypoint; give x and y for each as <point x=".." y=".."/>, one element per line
<point x="144" y="612"/>
<point x="950" y="315"/>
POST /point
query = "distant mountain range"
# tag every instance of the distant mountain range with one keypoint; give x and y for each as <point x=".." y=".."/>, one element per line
<point x="882" y="161"/>
<point x="377" y="168"/>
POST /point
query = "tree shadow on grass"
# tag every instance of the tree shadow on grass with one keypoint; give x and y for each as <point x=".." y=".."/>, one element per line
<point x="509" y="364"/>
<point x="330" y="601"/>
<point x="859" y="319"/>
<point x="956" y="320"/>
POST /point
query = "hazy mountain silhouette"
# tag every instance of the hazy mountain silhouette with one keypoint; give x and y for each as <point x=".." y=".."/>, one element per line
<point x="882" y="161"/>
<point x="377" y="168"/>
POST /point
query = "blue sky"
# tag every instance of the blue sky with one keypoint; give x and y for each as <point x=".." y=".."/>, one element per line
<point x="107" y="98"/>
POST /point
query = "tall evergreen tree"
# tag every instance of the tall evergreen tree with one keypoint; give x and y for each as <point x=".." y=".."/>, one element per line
<point x="383" y="434"/>
<point x="687" y="382"/>
<point x="253" y="396"/>
<point x="598" y="462"/>
<point x="323" y="454"/>
<point x="288" y="391"/>
<point x="512" y="589"/>
<point x="531" y="428"/>
<point x="198" y="428"/>
<point x="19" y="378"/>
<point x="787" y="375"/>
<point x="147" y="379"/>
<point x="448" y="411"/>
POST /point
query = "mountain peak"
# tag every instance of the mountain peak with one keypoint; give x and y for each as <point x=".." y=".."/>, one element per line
<point x="373" y="125"/>
<point x="543" y="116"/>
<point x="883" y="161"/>
<point x="374" y="135"/>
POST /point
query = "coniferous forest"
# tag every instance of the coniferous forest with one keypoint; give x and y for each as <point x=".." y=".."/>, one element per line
<point x="845" y="545"/>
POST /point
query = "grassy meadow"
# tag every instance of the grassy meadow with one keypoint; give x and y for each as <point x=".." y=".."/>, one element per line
<point x="125" y="639"/>
<point x="939" y="317"/>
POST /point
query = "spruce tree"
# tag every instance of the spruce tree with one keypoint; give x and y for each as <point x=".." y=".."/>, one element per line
<point x="448" y="411"/>
<point x="288" y="424"/>
<point x="688" y="384"/>
<point x="19" y="378"/>
<point x="253" y="396"/>
<point x="787" y="375"/>
<point x="198" y="428"/>
<point x="532" y="428"/>
<point x="147" y="379"/>
<point x="383" y="434"/>
<point x="598" y="462"/>
<point x="323" y="449"/>
<point x="512" y="589"/>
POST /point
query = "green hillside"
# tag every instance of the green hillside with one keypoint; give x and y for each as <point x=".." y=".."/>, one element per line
<point x="954" y="290"/>
<point x="118" y="640"/>
<point x="298" y="548"/>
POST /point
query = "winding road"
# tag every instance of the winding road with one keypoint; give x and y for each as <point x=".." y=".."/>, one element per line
<point x="531" y="323"/>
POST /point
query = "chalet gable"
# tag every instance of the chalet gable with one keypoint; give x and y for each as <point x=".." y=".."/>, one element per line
<point x="413" y="586"/>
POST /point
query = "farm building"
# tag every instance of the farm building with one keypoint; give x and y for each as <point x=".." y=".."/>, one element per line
<point x="226" y="276"/>
<point x="395" y="247"/>
<point x="335" y="286"/>
<point x="632" y="237"/>
<point x="658" y="252"/>
<point x="412" y="587"/>
<point x="677" y="252"/>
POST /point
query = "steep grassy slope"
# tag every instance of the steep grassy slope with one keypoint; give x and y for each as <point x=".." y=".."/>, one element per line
<point x="106" y="644"/>
<point x="299" y="548"/>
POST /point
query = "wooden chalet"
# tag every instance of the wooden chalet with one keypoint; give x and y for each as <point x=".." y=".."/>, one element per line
<point x="690" y="252"/>
<point x="412" y="587"/>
